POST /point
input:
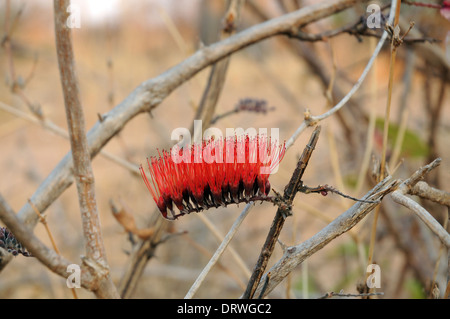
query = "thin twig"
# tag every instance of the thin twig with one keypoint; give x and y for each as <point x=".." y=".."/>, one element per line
<point x="424" y="215"/>
<point x="246" y="105"/>
<point x="421" y="4"/>
<point x="312" y="120"/>
<point x="338" y="294"/>
<point x="442" y="249"/>
<point x="231" y="273"/>
<point x="43" y="221"/>
<point x="399" y="196"/>
<point x="34" y="245"/>
<point x="394" y="47"/>
<point x="216" y="233"/>
<point x="141" y="254"/>
<point x="393" y="20"/>
<point x="335" y="166"/>
<point x="52" y="127"/>
<point x="218" y="252"/>
<point x="289" y="194"/>
<point x="128" y="222"/>
<point x="324" y="189"/>
<point x="266" y="282"/>
<point x="358" y="29"/>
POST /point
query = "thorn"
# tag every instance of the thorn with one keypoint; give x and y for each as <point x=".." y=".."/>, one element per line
<point x="100" y="117"/>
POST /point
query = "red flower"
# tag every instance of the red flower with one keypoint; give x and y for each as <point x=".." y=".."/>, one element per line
<point x="212" y="174"/>
<point x="445" y="9"/>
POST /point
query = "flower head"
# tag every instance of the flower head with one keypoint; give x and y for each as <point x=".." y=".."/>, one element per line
<point x="214" y="173"/>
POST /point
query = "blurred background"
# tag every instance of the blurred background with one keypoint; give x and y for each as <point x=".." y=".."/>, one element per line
<point x="120" y="44"/>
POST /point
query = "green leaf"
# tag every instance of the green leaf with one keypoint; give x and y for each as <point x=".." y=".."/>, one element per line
<point x="412" y="146"/>
<point x="415" y="289"/>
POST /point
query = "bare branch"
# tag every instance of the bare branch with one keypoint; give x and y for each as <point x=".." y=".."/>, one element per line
<point x="312" y="120"/>
<point x="399" y="196"/>
<point x="357" y="29"/>
<point x="48" y="257"/>
<point x="84" y="176"/>
<point x="141" y="254"/>
<point x="282" y="212"/>
<point x="422" y="189"/>
<point x="339" y="294"/>
<point x="55" y="129"/>
<point x="295" y="255"/>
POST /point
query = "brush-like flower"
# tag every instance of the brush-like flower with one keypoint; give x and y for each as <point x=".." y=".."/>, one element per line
<point x="214" y="173"/>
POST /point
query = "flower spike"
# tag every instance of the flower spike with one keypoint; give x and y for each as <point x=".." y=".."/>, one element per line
<point x="211" y="174"/>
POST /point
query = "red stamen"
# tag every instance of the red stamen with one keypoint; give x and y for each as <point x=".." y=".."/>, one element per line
<point x="223" y="176"/>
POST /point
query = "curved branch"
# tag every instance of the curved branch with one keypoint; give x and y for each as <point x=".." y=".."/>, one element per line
<point x="399" y="196"/>
<point x="46" y="256"/>
<point x="422" y="189"/>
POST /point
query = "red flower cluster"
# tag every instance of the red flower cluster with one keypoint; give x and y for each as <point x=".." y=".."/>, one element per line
<point x="212" y="174"/>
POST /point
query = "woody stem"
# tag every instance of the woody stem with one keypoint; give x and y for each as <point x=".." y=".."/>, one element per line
<point x="282" y="212"/>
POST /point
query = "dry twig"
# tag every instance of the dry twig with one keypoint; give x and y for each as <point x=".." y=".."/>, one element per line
<point x="218" y="252"/>
<point x="46" y="256"/>
<point x="295" y="255"/>
<point x="84" y="177"/>
<point x="340" y="294"/>
<point x="399" y="197"/>
<point x="140" y="255"/>
<point x="282" y="212"/>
